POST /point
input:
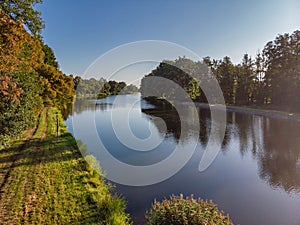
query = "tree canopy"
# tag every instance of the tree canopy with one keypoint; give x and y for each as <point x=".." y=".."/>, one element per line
<point x="23" y="11"/>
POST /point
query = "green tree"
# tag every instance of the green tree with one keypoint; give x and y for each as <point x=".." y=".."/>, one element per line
<point x="224" y="71"/>
<point x="245" y="81"/>
<point x="21" y="114"/>
<point x="23" y="10"/>
<point x="105" y="90"/>
<point x="184" y="72"/>
<point x="49" y="58"/>
<point x="58" y="89"/>
<point x="282" y="76"/>
<point x="259" y="92"/>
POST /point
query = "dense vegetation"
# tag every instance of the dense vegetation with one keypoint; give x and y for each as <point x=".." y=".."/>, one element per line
<point x="185" y="211"/>
<point x="29" y="78"/>
<point x="23" y="10"/>
<point x="272" y="79"/>
<point x="101" y="88"/>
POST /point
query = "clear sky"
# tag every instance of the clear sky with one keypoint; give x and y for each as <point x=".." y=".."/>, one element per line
<point x="81" y="31"/>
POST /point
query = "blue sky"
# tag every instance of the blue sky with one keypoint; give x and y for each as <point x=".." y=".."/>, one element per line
<point x="81" y="31"/>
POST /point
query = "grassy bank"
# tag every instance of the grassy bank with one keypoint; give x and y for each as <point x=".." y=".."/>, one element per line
<point x="45" y="180"/>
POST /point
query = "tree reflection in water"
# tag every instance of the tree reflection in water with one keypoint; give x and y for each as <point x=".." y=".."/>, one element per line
<point x="273" y="143"/>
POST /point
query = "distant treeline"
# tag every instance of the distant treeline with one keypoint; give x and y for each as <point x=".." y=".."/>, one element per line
<point x="271" y="79"/>
<point x="93" y="88"/>
<point x="29" y="78"/>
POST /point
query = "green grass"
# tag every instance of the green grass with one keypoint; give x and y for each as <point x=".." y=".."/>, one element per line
<point x="45" y="180"/>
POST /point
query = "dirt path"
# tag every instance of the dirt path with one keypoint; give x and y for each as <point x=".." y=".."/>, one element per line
<point x="10" y="160"/>
<point x="45" y="180"/>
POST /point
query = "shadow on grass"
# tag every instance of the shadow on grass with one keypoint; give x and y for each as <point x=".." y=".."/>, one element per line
<point x="35" y="151"/>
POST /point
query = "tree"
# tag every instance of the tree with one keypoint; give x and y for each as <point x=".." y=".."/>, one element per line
<point x="20" y="55"/>
<point x="77" y="80"/>
<point x="58" y="89"/>
<point x="245" y="81"/>
<point x="130" y="89"/>
<point x="184" y="72"/>
<point x="49" y="58"/>
<point x="224" y="71"/>
<point x="23" y="10"/>
<point x="282" y="76"/>
<point x="18" y="51"/>
<point x="260" y="91"/>
<point x="105" y="90"/>
<point x="121" y="86"/>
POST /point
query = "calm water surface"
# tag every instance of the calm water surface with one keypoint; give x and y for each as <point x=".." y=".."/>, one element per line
<point x="255" y="177"/>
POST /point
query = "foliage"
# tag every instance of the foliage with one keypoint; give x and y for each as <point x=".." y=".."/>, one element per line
<point x="101" y="88"/>
<point x="282" y="65"/>
<point x="224" y="71"/>
<point x="23" y="10"/>
<point x="22" y="114"/>
<point x="26" y="82"/>
<point x="20" y="55"/>
<point x="49" y="58"/>
<point x="185" y="211"/>
<point x="112" y="87"/>
<point x="58" y="89"/>
<point x="272" y="79"/>
<point x="178" y="71"/>
<point x="88" y="87"/>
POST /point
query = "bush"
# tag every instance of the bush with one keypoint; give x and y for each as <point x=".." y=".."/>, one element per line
<point x="188" y="211"/>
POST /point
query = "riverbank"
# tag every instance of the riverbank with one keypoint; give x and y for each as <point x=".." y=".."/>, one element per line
<point x="45" y="180"/>
<point x="255" y="111"/>
<point x="272" y="113"/>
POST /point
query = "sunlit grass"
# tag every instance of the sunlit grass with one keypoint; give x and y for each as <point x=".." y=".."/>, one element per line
<point x="49" y="182"/>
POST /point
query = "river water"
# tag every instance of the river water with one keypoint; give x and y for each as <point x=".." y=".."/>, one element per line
<point x="255" y="178"/>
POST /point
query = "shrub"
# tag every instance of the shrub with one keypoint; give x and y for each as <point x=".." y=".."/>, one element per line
<point x="185" y="211"/>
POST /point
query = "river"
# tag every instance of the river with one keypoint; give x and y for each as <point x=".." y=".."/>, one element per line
<point x="255" y="178"/>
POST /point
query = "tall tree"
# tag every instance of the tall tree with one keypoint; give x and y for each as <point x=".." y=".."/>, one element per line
<point x="225" y="73"/>
<point x="245" y="81"/>
<point x="260" y="91"/>
<point x="282" y="58"/>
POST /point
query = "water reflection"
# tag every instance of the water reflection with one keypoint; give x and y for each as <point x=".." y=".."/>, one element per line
<point x="82" y="105"/>
<point x="274" y="143"/>
<point x="279" y="162"/>
<point x="173" y="122"/>
<point x="255" y="178"/>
